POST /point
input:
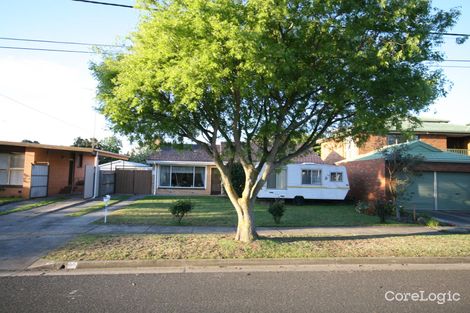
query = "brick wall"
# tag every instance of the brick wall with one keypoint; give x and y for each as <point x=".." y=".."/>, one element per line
<point x="79" y="175"/>
<point x="438" y="141"/>
<point x="444" y="167"/>
<point x="366" y="180"/>
<point x="373" y="143"/>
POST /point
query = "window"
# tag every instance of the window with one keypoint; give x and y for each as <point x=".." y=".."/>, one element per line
<point x="277" y="179"/>
<point x="80" y="160"/>
<point x="11" y="169"/>
<point x="396" y="139"/>
<point x="182" y="176"/>
<point x="311" y="177"/>
<point x="336" y="176"/>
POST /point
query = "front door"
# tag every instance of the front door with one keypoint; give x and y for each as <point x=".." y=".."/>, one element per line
<point x="216" y="187"/>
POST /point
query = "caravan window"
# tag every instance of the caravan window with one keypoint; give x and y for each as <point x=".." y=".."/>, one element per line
<point x="277" y="179"/>
<point x="336" y="176"/>
<point x="311" y="177"/>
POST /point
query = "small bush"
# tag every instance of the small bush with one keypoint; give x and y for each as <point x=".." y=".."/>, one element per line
<point x="361" y="207"/>
<point x="276" y="209"/>
<point x="383" y="209"/>
<point x="180" y="208"/>
<point x="432" y="223"/>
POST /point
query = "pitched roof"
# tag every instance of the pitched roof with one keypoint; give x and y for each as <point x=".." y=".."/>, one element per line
<point x="65" y="148"/>
<point x="439" y="126"/>
<point x="416" y="148"/>
<point x="193" y="153"/>
<point x="196" y="153"/>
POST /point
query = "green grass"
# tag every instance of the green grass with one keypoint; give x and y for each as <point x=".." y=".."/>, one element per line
<point x="218" y="211"/>
<point x="6" y="200"/>
<point x="157" y="247"/>
<point x="30" y="206"/>
<point x="114" y="199"/>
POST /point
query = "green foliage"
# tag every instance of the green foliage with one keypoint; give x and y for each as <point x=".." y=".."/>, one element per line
<point x="180" y="208"/>
<point x="140" y="155"/>
<point x="237" y="177"/>
<point x="361" y="207"/>
<point x="383" y="209"/>
<point x="277" y="209"/>
<point x="432" y="223"/>
<point x="111" y="144"/>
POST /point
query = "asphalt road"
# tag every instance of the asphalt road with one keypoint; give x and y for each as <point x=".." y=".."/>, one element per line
<point x="312" y="291"/>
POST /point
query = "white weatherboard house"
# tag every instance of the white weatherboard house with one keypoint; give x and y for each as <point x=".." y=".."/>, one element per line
<point x="301" y="181"/>
<point x="192" y="171"/>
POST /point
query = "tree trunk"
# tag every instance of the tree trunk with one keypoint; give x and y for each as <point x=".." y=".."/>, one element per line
<point x="246" y="231"/>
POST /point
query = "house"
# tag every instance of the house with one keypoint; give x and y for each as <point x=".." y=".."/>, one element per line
<point x="443" y="182"/>
<point x="192" y="171"/>
<point x="34" y="170"/>
<point x="437" y="132"/>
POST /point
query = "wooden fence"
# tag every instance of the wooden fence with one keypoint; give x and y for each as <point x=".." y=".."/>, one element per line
<point x="133" y="181"/>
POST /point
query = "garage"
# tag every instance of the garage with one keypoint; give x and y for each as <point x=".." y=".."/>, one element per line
<point x="441" y="191"/>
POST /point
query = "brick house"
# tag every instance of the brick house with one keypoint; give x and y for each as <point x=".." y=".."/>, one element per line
<point x="192" y="171"/>
<point x="443" y="182"/>
<point x="35" y="170"/>
<point x="436" y="132"/>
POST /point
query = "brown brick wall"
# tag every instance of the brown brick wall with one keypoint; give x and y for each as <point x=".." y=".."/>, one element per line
<point x="444" y="167"/>
<point x="366" y="180"/>
<point x="373" y="143"/>
<point x="11" y="191"/>
<point x="438" y="141"/>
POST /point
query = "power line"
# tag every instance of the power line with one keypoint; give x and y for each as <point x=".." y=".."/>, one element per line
<point x="61" y="42"/>
<point x="49" y="50"/>
<point x="107" y="3"/>
<point x="39" y="111"/>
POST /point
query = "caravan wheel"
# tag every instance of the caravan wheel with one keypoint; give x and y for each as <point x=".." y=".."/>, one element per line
<point x="299" y="200"/>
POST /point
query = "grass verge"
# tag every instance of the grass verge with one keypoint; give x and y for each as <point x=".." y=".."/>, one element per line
<point x="6" y="200"/>
<point x="30" y="206"/>
<point x="218" y="211"/>
<point x="114" y="199"/>
<point x="156" y="247"/>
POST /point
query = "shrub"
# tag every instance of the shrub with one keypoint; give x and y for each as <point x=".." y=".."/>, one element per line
<point x="432" y="223"/>
<point x="361" y="207"/>
<point x="383" y="209"/>
<point x="180" y="208"/>
<point x="276" y="209"/>
<point x="238" y="177"/>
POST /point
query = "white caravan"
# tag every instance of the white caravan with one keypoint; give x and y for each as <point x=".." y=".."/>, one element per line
<point x="307" y="181"/>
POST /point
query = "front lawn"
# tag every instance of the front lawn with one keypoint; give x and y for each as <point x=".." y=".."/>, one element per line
<point x="88" y="209"/>
<point x="156" y="247"/>
<point x="30" y="206"/>
<point x="5" y="200"/>
<point x="218" y="211"/>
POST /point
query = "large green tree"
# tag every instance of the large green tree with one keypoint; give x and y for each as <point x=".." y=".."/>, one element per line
<point x="271" y="77"/>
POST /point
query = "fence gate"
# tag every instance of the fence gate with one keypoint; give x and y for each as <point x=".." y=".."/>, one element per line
<point x="133" y="181"/>
<point x="106" y="182"/>
<point x="39" y="180"/>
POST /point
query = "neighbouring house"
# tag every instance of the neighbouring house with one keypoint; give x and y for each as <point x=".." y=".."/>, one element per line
<point x="192" y="171"/>
<point x="34" y="170"/>
<point x="442" y="183"/>
<point x="436" y="132"/>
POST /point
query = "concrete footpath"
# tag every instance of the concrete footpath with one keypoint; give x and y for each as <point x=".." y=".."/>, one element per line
<point x="27" y="236"/>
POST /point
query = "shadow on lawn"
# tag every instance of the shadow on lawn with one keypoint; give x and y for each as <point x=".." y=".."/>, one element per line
<point x="352" y="237"/>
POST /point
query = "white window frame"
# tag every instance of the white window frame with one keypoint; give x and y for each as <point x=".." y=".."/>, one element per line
<point x="311" y="179"/>
<point x="178" y="187"/>
<point x="336" y="174"/>
<point x="277" y="173"/>
<point x="9" y="169"/>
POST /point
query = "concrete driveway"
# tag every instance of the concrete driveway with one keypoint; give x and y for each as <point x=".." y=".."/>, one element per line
<point x="457" y="218"/>
<point x="28" y="235"/>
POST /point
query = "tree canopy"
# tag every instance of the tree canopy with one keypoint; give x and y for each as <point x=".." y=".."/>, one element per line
<point x="271" y="77"/>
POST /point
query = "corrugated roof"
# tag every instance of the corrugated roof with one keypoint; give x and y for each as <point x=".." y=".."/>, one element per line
<point x="417" y="148"/>
<point x="438" y="126"/>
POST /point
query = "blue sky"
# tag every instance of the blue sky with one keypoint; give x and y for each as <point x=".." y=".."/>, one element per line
<point x="60" y="84"/>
